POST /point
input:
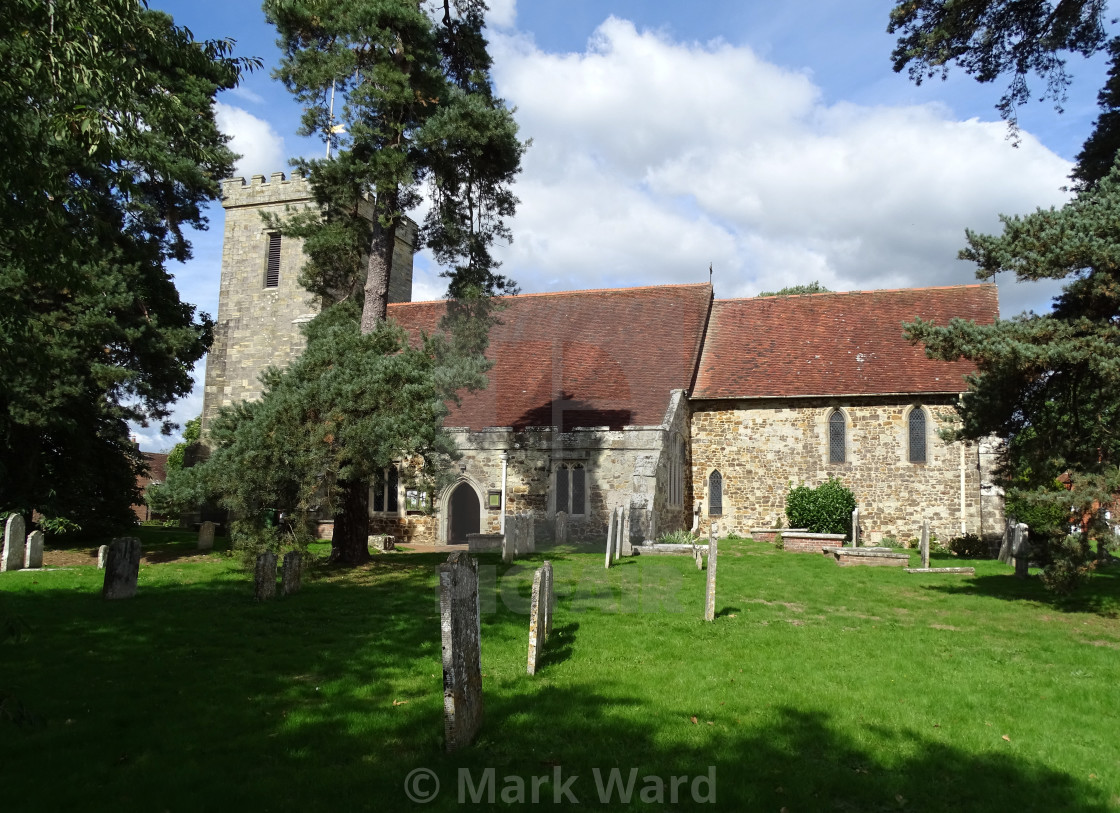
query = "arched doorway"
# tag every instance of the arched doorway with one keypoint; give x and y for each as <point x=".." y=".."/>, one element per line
<point x="465" y="512"/>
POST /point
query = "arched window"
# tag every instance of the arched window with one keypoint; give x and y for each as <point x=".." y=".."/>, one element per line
<point x="837" y="440"/>
<point x="917" y="435"/>
<point x="571" y="489"/>
<point x="715" y="494"/>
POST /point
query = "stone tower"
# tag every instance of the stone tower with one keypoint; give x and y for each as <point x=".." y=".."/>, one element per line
<point x="261" y="304"/>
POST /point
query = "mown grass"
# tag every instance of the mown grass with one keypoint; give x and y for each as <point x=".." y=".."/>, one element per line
<point x="816" y="688"/>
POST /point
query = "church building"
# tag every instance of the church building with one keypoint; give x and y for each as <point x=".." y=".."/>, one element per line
<point x="661" y="400"/>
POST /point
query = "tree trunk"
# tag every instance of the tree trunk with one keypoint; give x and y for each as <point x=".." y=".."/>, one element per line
<point x="351" y="526"/>
<point x="378" y="267"/>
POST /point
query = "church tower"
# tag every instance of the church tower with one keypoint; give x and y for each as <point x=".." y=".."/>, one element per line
<point x="261" y="304"/>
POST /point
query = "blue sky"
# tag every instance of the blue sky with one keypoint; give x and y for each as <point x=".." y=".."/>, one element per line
<point x="769" y="139"/>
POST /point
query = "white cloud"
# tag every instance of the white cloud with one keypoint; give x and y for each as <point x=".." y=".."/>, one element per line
<point x="243" y="92"/>
<point x="185" y="409"/>
<point x="502" y="13"/>
<point x="260" y="146"/>
<point x="653" y="158"/>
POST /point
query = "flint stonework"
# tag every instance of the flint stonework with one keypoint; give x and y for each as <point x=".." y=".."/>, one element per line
<point x="102" y="556"/>
<point x="206" y="536"/>
<point x="33" y="558"/>
<point x="710" y="595"/>
<point x="462" y="650"/>
<point x="265" y="576"/>
<point x="15" y="539"/>
<point x="122" y="568"/>
<point x="291" y="573"/>
<point x="925" y="543"/>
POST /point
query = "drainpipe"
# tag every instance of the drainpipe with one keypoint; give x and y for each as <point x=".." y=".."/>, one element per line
<point x="964" y="528"/>
<point x="502" y="518"/>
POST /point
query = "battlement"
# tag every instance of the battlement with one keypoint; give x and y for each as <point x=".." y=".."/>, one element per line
<point x="259" y="192"/>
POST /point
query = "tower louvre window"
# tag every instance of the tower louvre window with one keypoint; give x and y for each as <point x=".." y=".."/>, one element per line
<point x="272" y="270"/>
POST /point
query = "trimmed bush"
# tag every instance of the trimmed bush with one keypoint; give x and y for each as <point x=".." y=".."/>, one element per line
<point x="970" y="546"/>
<point x="826" y="509"/>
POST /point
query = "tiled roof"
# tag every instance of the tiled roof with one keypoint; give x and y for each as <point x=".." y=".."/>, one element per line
<point x="581" y="358"/>
<point x="834" y="344"/>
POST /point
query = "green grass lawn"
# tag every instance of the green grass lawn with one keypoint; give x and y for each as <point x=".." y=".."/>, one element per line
<point x="816" y="688"/>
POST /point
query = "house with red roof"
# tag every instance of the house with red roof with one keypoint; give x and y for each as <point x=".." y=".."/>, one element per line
<point x="660" y="400"/>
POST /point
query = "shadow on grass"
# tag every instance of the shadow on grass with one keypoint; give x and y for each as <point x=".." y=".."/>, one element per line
<point x="192" y="696"/>
<point x="1099" y="595"/>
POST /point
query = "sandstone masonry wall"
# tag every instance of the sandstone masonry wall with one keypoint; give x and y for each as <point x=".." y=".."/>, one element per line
<point x="761" y="447"/>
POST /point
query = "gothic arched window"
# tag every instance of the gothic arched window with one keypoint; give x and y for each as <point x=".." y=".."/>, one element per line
<point x="715" y="494"/>
<point x="837" y="438"/>
<point x="917" y="425"/>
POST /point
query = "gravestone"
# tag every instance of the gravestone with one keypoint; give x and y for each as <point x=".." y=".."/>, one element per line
<point x="855" y="527"/>
<point x="536" y="622"/>
<point x="561" y="527"/>
<point x="462" y="650"/>
<point x="102" y="556"/>
<point x="33" y="558"/>
<point x="529" y="529"/>
<point x="1008" y="542"/>
<point x="265" y="576"/>
<point x="610" y="541"/>
<point x="698" y="556"/>
<point x="382" y="543"/>
<point x="122" y="568"/>
<point x="15" y="540"/>
<point x="206" y="536"/>
<point x="550" y="597"/>
<point x="925" y="543"/>
<point x="617" y="532"/>
<point x="507" y="541"/>
<point x="651" y="518"/>
<point x="291" y="573"/>
<point x="1021" y="550"/>
<point x="710" y="596"/>
<point x="627" y="545"/>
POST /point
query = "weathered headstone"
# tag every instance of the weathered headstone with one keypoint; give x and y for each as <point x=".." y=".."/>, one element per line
<point x="530" y="530"/>
<point x="618" y="532"/>
<point x="1021" y="550"/>
<point x="610" y="541"/>
<point x="627" y="545"/>
<point x="33" y="558"/>
<point x="561" y="527"/>
<point x="15" y="539"/>
<point x="1008" y="543"/>
<point x="102" y="556"/>
<point x="550" y="597"/>
<point x="122" y="568"/>
<point x="855" y="527"/>
<point x="710" y="595"/>
<point x="698" y="556"/>
<point x="206" y="536"/>
<point x="925" y="543"/>
<point x="265" y="576"/>
<point x="380" y="543"/>
<point x="291" y="573"/>
<point x="462" y="650"/>
<point x="536" y="625"/>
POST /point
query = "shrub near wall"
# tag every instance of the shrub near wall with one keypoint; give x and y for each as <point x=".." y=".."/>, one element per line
<point x="826" y="509"/>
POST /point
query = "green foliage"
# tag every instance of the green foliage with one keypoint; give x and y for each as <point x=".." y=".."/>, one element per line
<point x="826" y="509"/>
<point x="1044" y="510"/>
<point x="110" y="152"/>
<point x="991" y="38"/>
<point x="813" y="287"/>
<point x="1101" y="147"/>
<point x="969" y="546"/>
<point x="681" y="537"/>
<point x="192" y="431"/>
<point x="1071" y="564"/>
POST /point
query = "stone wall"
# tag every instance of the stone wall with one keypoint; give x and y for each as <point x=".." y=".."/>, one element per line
<point x="259" y="326"/>
<point x="762" y="446"/>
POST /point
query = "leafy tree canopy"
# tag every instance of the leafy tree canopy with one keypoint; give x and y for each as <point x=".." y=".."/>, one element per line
<point x="110" y="151"/>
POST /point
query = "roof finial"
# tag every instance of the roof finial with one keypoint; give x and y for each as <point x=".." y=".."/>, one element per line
<point x="709" y="273"/>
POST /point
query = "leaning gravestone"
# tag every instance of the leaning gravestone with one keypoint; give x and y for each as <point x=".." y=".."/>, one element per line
<point x="549" y="597"/>
<point x="925" y="543"/>
<point x="536" y="622"/>
<point x="855" y="527"/>
<point x="15" y="538"/>
<point x="102" y="556"/>
<point x="710" y="595"/>
<point x="206" y="536"/>
<point x="265" y="576"/>
<point x="1005" y="548"/>
<point x="122" y="568"/>
<point x="610" y="542"/>
<point x="291" y="574"/>
<point x="462" y="650"/>
<point x="33" y="558"/>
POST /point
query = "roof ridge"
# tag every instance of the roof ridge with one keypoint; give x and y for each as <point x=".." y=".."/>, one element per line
<point x="861" y="292"/>
<point x="514" y="297"/>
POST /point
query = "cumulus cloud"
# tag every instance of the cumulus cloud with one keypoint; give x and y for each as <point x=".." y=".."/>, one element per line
<point x="502" y="13"/>
<point x="652" y="159"/>
<point x="261" y="148"/>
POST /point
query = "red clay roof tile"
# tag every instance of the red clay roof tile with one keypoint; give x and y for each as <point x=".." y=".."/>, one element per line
<point x="834" y="344"/>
